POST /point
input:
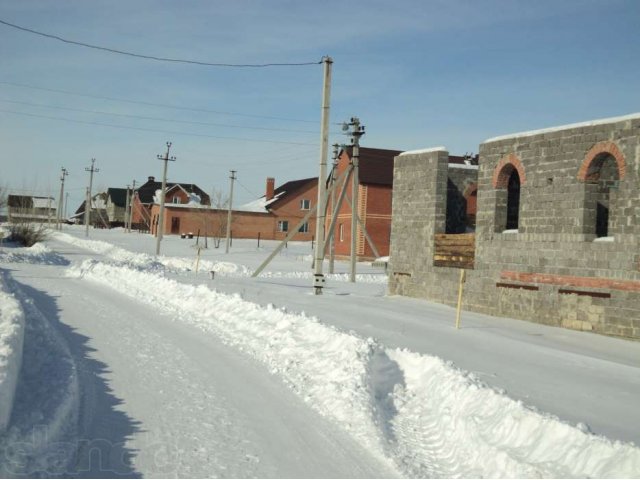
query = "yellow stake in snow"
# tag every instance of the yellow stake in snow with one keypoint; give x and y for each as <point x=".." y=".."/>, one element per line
<point x="197" y="260"/>
<point x="460" y="287"/>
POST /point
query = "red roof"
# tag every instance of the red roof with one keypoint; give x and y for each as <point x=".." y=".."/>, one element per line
<point x="375" y="165"/>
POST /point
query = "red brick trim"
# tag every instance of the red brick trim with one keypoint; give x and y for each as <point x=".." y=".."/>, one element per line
<point x="472" y="187"/>
<point x="572" y="281"/>
<point x="599" y="148"/>
<point x="502" y="171"/>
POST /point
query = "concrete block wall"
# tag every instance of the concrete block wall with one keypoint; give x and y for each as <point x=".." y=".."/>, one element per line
<point x="553" y="269"/>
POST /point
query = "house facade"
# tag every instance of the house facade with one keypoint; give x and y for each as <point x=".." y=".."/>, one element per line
<point x="557" y="228"/>
<point x="375" y="189"/>
<point x="271" y="217"/>
<point x="28" y="208"/>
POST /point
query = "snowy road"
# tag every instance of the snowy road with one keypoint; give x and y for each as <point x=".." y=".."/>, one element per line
<point x="159" y="398"/>
<point x="138" y="367"/>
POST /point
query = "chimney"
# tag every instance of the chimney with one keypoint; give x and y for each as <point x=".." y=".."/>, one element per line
<point x="152" y="179"/>
<point x="270" y="188"/>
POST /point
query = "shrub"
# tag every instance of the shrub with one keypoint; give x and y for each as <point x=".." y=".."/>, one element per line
<point x="27" y="234"/>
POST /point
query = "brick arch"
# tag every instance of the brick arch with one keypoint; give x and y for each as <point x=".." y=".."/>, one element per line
<point x="504" y="168"/>
<point x="596" y="151"/>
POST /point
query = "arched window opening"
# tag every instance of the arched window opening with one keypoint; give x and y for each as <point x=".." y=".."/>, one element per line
<point x="604" y="177"/>
<point x="513" y="200"/>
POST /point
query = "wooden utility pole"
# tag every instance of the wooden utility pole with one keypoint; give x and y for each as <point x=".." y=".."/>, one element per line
<point x="318" y="277"/>
<point x="232" y="177"/>
<point x="356" y="132"/>
<point x="126" y="209"/>
<point x="332" y="237"/>
<point x="166" y="159"/>
<point x="63" y="174"/>
<point x="131" y="202"/>
<point x="87" y="204"/>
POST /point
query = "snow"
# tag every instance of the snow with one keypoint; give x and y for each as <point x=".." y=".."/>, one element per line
<point x="40" y="202"/>
<point x="424" y="150"/>
<point x="365" y="381"/>
<point x="462" y="166"/>
<point x="11" y="337"/>
<point x="260" y="205"/>
<point x="463" y="427"/>
<point x="592" y="123"/>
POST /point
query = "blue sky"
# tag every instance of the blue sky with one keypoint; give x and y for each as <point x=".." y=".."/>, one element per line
<point x="417" y="73"/>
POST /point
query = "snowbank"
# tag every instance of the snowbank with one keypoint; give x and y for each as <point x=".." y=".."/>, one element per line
<point x="181" y="264"/>
<point x="41" y="439"/>
<point x="11" y="339"/>
<point x="423" y="414"/>
<point x="37" y="253"/>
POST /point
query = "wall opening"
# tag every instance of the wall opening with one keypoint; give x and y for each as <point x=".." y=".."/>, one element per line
<point x="603" y="178"/>
<point x="513" y="201"/>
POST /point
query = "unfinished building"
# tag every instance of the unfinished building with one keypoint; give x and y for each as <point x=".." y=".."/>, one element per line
<point x="557" y="228"/>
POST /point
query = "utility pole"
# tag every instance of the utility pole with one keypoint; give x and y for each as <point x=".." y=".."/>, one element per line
<point x="59" y="216"/>
<point x="332" y="237"/>
<point x="232" y="177"/>
<point x="126" y="209"/>
<point x="356" y="132"/>
<point x="166" y="159"/>
<point x="130" y="212"/>
<point x="66" y="203"/>
<point x="318" y="277"/>
<point x="87" y="203"/>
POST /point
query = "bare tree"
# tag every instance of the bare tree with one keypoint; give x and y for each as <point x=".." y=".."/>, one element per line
<point x="219" y="204"/>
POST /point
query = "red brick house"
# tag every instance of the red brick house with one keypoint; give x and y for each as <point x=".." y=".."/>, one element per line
<point x="270" y="217"/>
<point x="375" y="192"/>
<point x="287" y="205"/>
<point x="177" y="194"/>
<point x="375" y="189"/>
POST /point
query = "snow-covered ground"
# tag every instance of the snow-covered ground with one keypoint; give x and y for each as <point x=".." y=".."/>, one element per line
<point x="174" y="373"/>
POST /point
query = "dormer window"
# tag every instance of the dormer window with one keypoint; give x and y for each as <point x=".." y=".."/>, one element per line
<point x="176" y="199"/>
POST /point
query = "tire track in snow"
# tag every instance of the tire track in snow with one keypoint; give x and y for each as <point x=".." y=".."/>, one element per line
<point x="431" y="419"/>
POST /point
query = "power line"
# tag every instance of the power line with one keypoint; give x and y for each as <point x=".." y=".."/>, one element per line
<point x="141" y="117"/>
<point x="161" y="59"/>
<point x="161" y="105"/>
<point x="153" y="130"/>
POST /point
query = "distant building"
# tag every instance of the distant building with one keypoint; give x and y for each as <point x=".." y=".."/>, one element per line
<point x="28" y="208"/>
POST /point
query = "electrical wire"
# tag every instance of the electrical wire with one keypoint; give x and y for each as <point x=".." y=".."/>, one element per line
<point x="152" y="57"/>
<point x="161" y="105"/>
<point x="158" y="119"/>
<point x="153" y="130"/>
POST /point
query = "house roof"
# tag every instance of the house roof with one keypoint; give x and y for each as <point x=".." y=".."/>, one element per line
<point x="147" y="190"/>
<point x="118" y="196"/>
<point x="281" y="193"/>
<point x="375" y="165"/>
<point x="29" y="201"/>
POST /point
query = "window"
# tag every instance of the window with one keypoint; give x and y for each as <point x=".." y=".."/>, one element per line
<point x="176" y="199"/>
<point x="304" y="228"/>
<point x="604" y="178"/>
<point x="283" y="226"/>
<point x="341" y="229"/>
<point x="305" y="204"/>
<point x="513" y="201"/>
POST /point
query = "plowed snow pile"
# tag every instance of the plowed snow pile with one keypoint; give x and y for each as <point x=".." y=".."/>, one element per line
<point x="428" y="417"/>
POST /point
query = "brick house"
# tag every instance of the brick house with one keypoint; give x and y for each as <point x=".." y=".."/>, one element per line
<point x="375" y="189"/>
<point x="270" y="217"/>
<point x="557" y="228"/>
<point x="177" y="194"/>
